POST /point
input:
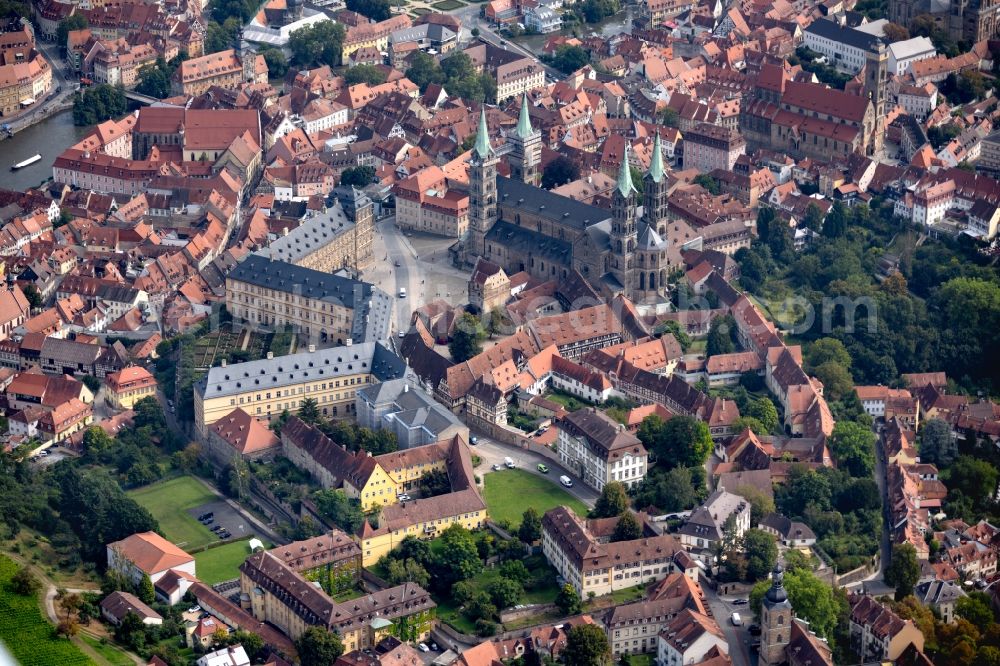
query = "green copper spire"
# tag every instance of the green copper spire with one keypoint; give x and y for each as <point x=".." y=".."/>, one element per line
<point x="524" y="121"/>
<point x="656" y="163"/>
<point x="482" y="147"/>
<point x="625" y="185"/>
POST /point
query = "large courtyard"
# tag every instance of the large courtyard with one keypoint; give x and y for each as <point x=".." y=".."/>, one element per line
<point x="510" y="492"/>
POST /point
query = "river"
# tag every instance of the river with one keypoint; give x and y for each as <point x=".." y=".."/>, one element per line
<point x="48" y="138"/>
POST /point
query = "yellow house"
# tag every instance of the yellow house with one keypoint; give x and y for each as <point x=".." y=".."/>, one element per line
<point x="421" y="518"/>
<point x="128" y="386"/>
<point x="371" y="484"/>
<point x="375" y="35"/>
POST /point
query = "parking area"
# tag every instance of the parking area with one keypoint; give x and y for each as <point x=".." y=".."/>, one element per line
<point x="225" y="518"/>
<point x="50" y="456"/>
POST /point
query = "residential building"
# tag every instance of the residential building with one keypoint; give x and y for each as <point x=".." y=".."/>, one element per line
<point x="633" y="628"/>
<point x="278" y="595"/>
<point x="600" y="450"/>
<point x="322" y="307"/>
<point x="592" y="565"/>
<point x="147" y="553"/>
<point x="233" y="655"/>
<point x="128" y="386"/>
<point x="403" y="407"/>
<point x="722" y="514"/>
<point x="489" y="286"/>
<point x="790" y="533"/>
<point x="425" y="203"/>
<point x="708" y="147"/>
<point x="225" y="69"/>
<point x="117" y="605"/>
<point x="331" y="560"/>
<point x="542" y="20"/>
<point x="941" y="596"/>
<point x="874" y="398"/>
<point x="920" y="101"/>
<point x="240" y="434"/>
<point x="903" y="54"/>
<point x="265" y="388"/>
<point x="341" y="238"/>
<point x="877" y="633"/>
<point x="25" y="74"/>
<point x="14" y="309"/>
<point x="514" y="73"/>
<point x="690" y="638"/>
<point x="843" y="46"/>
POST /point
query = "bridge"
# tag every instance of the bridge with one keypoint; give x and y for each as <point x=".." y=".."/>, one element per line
<point x="141" y="99"/>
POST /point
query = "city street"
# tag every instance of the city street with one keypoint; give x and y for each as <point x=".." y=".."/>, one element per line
<point x="55" y="100"/>
<point x="738" y="637"/>
<point x="424" y="270"/>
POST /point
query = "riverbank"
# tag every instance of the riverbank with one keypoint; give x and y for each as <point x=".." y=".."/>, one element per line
<point x="48" y="136"/>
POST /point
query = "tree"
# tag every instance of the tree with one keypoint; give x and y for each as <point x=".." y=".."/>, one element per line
<point x="424" y="70"/>
<point x="720" y="336"/>
<point x="97" y="104"/>
<point x="467" y="339"/>
<point x="559" y="171"/>
<point x="903" y="571"/>
<point x="277" y="63"/>
<point x="25" y="583"/>
<point x="936" y="443"/>
<point x="612" y="502"/>
<point x="853" y="447"/>
<point x="673" y="328"/>
<point x="219" y="37"/>
<point x="670" y="118"/>
<point x="895" y="33"/>
<point x="251" y="642"/>
<point x="764" y="411"/>
<point x="813" y="600"/>
<point x="530" y="530"/>
<point x="402" y="571"/>
<point x="357" y="176"/>
<point x="369" y="74"/>
<point x="835" y="224"/>
<point x="34" y="297"/>
<point x="92" y="383"/>
<point x="317" y="44"/>
<point x="68" y="628"/>
<point x="587" y="645"/>
<point x="67" y="25"/>
<point x="824" y="350"/>
<point x="339" y="509"/>
<point x="761" y="552"/>
<point x="376" y="10"/>
<point x="670" y="490"/>
<point x="813" y="218"/>
<point x="569" y="58"/>
<point x="836" y="379"/>
<point x="761" y="503"/>
<point x="154" y="81"/>
<point x="145" y="591"/>
<point x="434" y="483"/>
<point x="710" y="184"/>
<point x="318" y="647"/>
<point x="458" y="557"/>
<point x="976" y="609"/>
<point x="627" y="528"/>
<point x="505" y="592"/>
<point x="70" y="603"/>
<point x="681" y="441"/>
<point x="568" y="600"/>
<point x="973" y="478"/>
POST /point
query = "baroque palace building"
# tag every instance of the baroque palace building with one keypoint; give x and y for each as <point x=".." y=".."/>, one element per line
<point x="521" y="227"/>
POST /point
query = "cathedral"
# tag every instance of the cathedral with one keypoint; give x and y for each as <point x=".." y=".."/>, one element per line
<point x="521" y="227"/>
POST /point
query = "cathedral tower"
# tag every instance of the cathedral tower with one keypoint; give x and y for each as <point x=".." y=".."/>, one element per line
<point x="654" y="197"/>
<point x="526" y="148"/>
<point x="482" y="192"/>
<point x="876" y="89"/>
<point x="775" y="621"/>
<point x="623" y="227"/>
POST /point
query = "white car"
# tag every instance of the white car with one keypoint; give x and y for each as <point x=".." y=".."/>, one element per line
<point x="423" y="647"/>
<point x="403" y="497"/>
<point x="566" y="481"/>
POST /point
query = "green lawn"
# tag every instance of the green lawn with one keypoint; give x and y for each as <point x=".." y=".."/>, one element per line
<point x="570" y="402"/>
<point x="114" y="655"/>
<point x="448" y="5"/>
<point x="26" y="632"/>
<point x="223" y="563"/>
<point x="641" y="660"/>
<point x="510" y="491"/>
<point x="169" y="501"/>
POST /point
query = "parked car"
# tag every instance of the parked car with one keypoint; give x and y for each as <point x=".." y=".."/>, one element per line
<point x="508" y="462"/>
<point x="754" y="629"/>
<point x="736" y="620"/>
<point x="543" y="468"/>
<point x="224" y="535"/>
<point x="566" y="481"/>
<point x="194" y="609"/>
<point x="496" y="467"/>
<point x="423" y="647"/>
<point x="206" y="515"/>
<point x="740" y="602"/>
<point x="473" y="440"/>
<point x="403" y="497"/>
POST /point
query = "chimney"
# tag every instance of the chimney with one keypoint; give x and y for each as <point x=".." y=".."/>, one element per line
<point x="312" y="348"/>
<point x="406" y="388"/>
<point x="270" y="355"/>
<point x="223" y="363"/>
